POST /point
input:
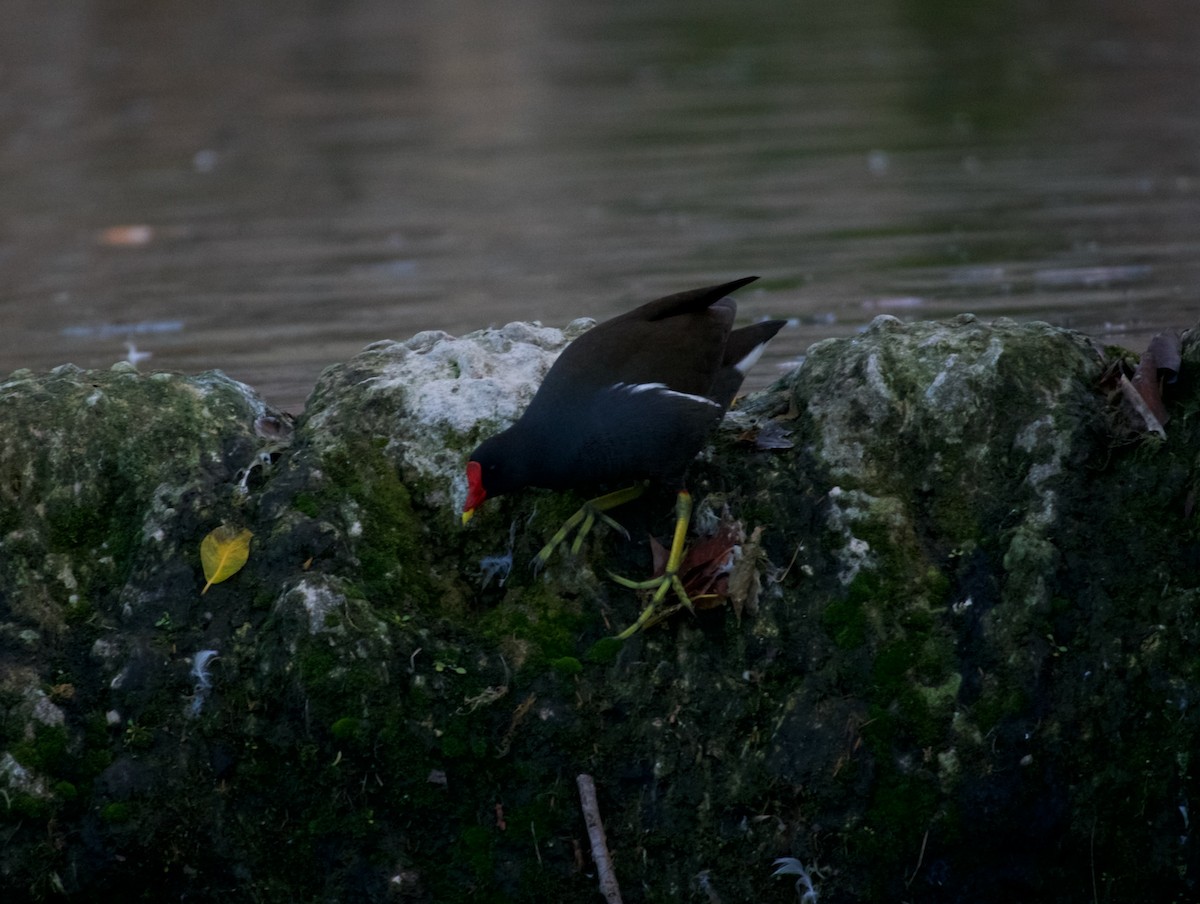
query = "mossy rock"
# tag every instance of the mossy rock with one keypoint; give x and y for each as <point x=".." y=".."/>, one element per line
<point x="965" y="673"/>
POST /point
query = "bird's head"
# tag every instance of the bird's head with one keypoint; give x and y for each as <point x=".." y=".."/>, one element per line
<point x="476" y="490"/>
<point x="493" y="469"/>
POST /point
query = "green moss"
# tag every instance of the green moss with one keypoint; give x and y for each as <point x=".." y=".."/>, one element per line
<point x="889" y="673"/>
<point x="901" y="811"/>
<point x="390" y="545"/>
<point x="936" y="585"/>
<point x="16" y="807"/>
<point x="923" y="724"/>
<point x="50" y="753"/>
<point x="911" y="679"/>
<point x="922" y="653"/>
<point x="79" y="610"/>
<point x="997" y="703"/>
<point x="307" y="504"/>
<point x="46" y="752"/>
<point x="454" y="742"/>
<point x="604" y="651"/>
<point x="545" y="624"/>
<point x="566" y="666"/>
<point x="903" y="806"/>
<point x="476" y="845"/>
<point x="12" y="482"/>
<point x="956" y="516"/>
<point x="316" y="663"/>
<point x="65" y="791"/>
<point x="138" y="736"/>
<point x="331" y="681"/>
<point x="346" y="728"/>
<point x="104" y="518"/>
<point x="70" y="526"/>
<point x="117" y="813"/>
<point x="941" y="697"/>
<point x="845" y="621"/>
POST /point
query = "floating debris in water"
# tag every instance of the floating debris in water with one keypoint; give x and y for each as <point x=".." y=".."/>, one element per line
<point x="1091" y="276"/>
<point x="127" y="235"/>
<point x="134" y="356"/>
<point x="109" y="330"/>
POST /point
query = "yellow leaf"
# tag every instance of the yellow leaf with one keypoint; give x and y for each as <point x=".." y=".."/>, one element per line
<point x="223" y="553"/>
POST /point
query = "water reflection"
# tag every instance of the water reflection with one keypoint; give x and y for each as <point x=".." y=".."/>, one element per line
<point x="288" y="182"/>
<point x="989" y="67"/>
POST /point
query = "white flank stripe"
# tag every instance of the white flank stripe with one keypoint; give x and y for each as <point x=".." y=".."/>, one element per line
<point x="751" y="359"/>
<point x="663" y="389"/>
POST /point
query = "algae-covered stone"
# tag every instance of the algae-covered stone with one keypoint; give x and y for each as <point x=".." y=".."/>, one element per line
<point x="106" y="475"/>
<point x="967" y="674"/>
<point x="432" y="394"/>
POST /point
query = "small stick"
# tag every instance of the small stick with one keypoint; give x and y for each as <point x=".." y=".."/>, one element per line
<point x="591" y="816"/>
<point x="920" y="860"/>
<point x="536" y="849"/>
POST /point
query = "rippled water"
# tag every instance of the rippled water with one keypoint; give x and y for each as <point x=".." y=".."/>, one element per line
<point x="265" y="188"/>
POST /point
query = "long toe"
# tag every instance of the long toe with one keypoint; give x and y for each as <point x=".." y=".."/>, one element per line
<point x="585" y="519"/>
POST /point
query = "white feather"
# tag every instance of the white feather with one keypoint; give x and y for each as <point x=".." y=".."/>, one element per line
<point x="663" y="389"/>
<point x="743" y="366"/>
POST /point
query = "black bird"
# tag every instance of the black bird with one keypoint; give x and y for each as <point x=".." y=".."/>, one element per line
<point x="632" y="400"/>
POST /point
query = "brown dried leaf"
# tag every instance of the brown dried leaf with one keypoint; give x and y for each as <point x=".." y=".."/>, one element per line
<point x="745" y="584"/>
<point x="1140" y="389"/>
<point x="708" y="561"/>
<point x="792" y="413"/>
<point x="768" y="436"/>
<point x="1143" y="407"/>
<point x="1146" y="382"/>
<point x="658" y="557"/>
<point x="1167" y="349"/>
<point x="1159" y="364"/>
<point x="704" y="571"/>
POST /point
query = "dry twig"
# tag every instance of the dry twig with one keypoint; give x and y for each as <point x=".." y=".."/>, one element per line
<point x="591" y="816"/>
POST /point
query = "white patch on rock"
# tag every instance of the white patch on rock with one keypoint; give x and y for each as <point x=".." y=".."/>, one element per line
<point x="318" y="601"/>
<point x="105" y="650"/>
<point x="876" y="379"/>
<point x="42" y="710"/>
<point x="847" y="510"/>
<point x="62" y="570"/>
<point x="488" y="374"/>
<point x="443" y="388"/>
<point x="18" y="778"/>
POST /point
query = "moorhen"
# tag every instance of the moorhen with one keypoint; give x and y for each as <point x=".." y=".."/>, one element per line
<point x="630" y="401"/>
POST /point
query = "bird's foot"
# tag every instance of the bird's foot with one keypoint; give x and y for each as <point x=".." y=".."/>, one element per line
<point x="655" y="612"/>
<point x="668" y="580"/>
<point x="584" y="520"/>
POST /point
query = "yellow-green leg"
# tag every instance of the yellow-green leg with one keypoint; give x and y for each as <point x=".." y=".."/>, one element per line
<point x="585" y="519"/>
<point x="669" y="579"/>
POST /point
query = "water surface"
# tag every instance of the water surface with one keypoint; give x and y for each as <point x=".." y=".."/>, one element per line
<point x="266" y="188"/>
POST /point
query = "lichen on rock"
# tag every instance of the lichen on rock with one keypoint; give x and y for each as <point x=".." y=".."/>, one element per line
<point x="966" y="676"/>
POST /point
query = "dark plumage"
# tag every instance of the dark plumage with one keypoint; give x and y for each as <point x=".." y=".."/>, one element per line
<point x="632" y="399"/>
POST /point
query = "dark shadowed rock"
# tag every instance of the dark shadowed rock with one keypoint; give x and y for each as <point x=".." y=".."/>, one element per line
<point x="963" y="670"/>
